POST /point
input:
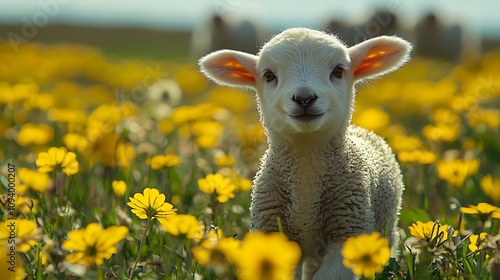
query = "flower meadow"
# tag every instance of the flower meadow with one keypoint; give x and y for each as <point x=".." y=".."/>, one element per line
<point x="119" y="168"/>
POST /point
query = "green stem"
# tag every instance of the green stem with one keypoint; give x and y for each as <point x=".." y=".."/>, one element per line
<point x="140" y="248"/>
<point x="99" y="272"/>
<point x="56" y="193"/>
<point x="215" y="204"/>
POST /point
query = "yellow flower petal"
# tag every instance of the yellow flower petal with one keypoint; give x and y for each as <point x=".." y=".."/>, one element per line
<point x="150" y="204"/>
<point x="266" y="256"/>
<point x="366" y="254"/>
<point x="93" y="244"/>
<point x="217" y="184"/>
<point x="119" y="187"/>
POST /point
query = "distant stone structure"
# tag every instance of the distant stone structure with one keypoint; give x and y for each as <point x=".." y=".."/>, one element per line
<point x="219" y="34"/>
<point x="431" y="37"/>
<point x="435" y="40"/>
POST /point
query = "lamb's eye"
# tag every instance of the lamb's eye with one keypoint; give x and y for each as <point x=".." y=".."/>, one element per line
<point x="269" y="76"/>
<point x="337" y="72"/>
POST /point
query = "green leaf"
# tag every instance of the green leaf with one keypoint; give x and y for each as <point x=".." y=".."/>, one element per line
<point x="411" y="215"/>
<point x="389" y="270"/>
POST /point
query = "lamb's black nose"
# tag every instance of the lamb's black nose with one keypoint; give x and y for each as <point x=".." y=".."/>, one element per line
<point x="304" y="100"/>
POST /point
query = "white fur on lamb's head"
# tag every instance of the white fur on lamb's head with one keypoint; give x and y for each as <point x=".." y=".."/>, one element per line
<point x="305" y="78"/>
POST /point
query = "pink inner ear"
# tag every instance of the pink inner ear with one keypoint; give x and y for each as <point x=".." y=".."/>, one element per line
<point x="237" y="71"/>
<point x="376" y="58"/>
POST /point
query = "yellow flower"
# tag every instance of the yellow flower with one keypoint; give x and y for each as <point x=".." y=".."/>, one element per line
<point x="491" y="187"/>
<point x="166" y="126"/>
<point x="161" y="161"/>
<point x="217" y="255"/>
<point x="487" y="117"/>
<point x="232" y="99"/>
<point x="366" y="254"/>
<point x="47" y="250"/>
<point x="211" y="238"/>
<point x="125" y="154"/>
<point x="483" y="210"/>
<point x="446" y="128"/>
<point x="244" y="184"/>
<point x="77" y="142"/>
<point x="184" y="114"/>
<point x="463" y="103"/>
<point x="252" y="135"/>
<point x="35" y="134"/>
<point x="241" y="184"/>
<point x="207" y="133"/>
<point x="469" y="144"/>
<point x="119" y="187"/>
<point x="127" y="109"/>
<point x="57" y="158"/>
<point x="206" y="141"/>
<point x="43" y="101"/>
<point x="374" y="119"/>
<point x="25" y="234"/>
<point x="104" y="149"/>
<point x="219" y="185"/>
<point x="225" y="161"/>
<point x="429" y="231"/>
<point x="26" y="205"/>
<point x="23" y="204"/>
<point x="435" y="133"/>
<point x="190" y="80"/>
<point x="186" y="225"/>
<point x="445" y="117"/>
<point x="35" y="180"/>
<point x="200" y="128"/>
<point x="9" y="260"/>
<point x="67" y="116"/>
<point x="417" y="156"/>
<point x="150" y="204"/>
<point x="106" y="117"/>
<point x="267" y="256"/>
<point x="456" y="171"/>
<point x="93" y="244"/>
<point x="476" y="241"/>
<point x="17" y="93"/>
<point x="401" y="142"/>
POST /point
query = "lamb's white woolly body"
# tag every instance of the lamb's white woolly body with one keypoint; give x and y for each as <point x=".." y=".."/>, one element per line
<point x="325" y="179"/>
<point x="328" y="192"/>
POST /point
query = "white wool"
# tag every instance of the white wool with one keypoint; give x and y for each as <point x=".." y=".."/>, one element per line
<point x="326" y="180"/>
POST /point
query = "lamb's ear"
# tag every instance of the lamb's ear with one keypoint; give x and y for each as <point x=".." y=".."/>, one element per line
<point x="230" y="68"/>
<point x="378" y="56"/>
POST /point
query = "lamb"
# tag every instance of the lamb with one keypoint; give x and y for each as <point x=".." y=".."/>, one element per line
<point x="325" y="179"/>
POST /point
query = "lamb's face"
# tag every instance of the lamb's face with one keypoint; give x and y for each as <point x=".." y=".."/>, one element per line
<point x="304" y="82"/>
<point x="305" y="78"/>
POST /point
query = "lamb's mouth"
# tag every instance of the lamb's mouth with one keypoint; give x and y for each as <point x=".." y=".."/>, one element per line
<point x="307" y="117"/>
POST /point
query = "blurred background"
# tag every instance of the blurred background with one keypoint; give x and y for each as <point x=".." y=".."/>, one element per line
<point x="182" y="30"/>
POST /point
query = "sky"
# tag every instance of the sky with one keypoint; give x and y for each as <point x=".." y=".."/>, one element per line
<point x="188" y="14"/>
